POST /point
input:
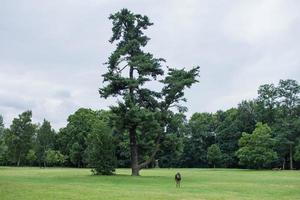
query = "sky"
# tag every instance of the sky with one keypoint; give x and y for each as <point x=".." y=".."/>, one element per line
<point x="52" y="52"/>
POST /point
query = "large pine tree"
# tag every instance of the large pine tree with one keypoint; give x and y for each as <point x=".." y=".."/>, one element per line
<point x="142" y="113"/>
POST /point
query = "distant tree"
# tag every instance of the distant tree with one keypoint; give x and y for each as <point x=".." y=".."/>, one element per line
<point x="288" y="121"/>
<point x="19" y="137"/>
<point x="141" y="112"/>
<point x="297" y="151"/>
<point x="76" y="154"/>
<point x="246" y="116"/>
<point x="267" y="103"/>
<point x="45" y="140"/>
<point x="214" y="155"/>
<point x="72" y="138"/>
<point x="31" y="156"/>
<point x="171" y="148"/>
<point x="54" y="158"/>
<point x="277" y="106"/>
<point x="231" y="124"/>
<point x="100" y="152"/>
<point x="1" y="126"/>
<point x="228" y="134"/>
<point x="3" y="153"/>
<point x="288" y="92"/>
<point x="3" y="146"/>
<point x="201" y="134"/>
<point x="256" y="149"/>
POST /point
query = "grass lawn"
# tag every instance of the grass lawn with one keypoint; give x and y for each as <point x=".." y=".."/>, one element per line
<point x="67" y="183"/>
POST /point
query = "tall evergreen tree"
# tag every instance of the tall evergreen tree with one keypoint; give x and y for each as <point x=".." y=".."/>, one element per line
<point x="143" y="112"/>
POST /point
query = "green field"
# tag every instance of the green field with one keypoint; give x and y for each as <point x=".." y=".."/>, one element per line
<point x="66" y="183"/>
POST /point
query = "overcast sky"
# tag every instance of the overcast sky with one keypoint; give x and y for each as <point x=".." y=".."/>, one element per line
<point x="51" y="52"/>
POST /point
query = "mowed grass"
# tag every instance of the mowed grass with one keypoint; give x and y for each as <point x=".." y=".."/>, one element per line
<point x="72" y="184"/>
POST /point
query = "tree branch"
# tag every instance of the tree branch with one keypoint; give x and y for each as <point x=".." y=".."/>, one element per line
<point x="122" y="68"/>
<point x="150" y="159"/>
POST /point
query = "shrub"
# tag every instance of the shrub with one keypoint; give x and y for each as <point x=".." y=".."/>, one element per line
<point x="101" y="151"/>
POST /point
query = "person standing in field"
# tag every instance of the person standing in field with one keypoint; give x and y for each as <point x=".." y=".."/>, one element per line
<point x="177" y="179"/>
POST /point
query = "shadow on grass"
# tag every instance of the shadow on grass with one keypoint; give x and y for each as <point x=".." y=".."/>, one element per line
<point x="128" y="176"/>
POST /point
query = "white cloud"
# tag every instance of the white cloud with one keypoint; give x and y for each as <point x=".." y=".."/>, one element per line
<point x="259" y="20"/>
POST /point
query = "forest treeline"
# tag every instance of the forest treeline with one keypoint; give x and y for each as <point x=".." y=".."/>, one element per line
<point x="259" y="133"/>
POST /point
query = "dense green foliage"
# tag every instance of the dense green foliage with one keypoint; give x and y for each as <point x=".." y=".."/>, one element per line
<point x="45" y="141"/>
<point x="100" y="149"/>
<point x="54" y="158"/>
<point x="214" y="155"/>
<point x="257" y="148"/>
<point x="31" y="156"/>
<point x="3" y="146"/>
<point x="154" y="184"/>
<point x="19" y="138"/>
<point x="297" y="152"/>
<point x="72" y="138"/>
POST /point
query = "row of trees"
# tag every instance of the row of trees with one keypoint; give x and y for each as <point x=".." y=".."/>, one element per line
<point x="261" y="133"/>
<point x="85" y="141"/>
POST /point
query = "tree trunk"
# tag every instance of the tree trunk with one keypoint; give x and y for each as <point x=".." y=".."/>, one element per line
<point x="134" y="153"/>
<point x="19" y="159"/>
<point x="291" y="156"/>
<point x="283" y="164"/>
<point x="132" y="134"/>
